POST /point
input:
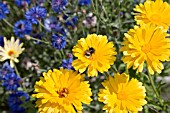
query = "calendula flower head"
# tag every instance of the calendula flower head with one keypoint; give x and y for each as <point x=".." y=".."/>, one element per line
<point x="11" y="50"/>
<point x="148" y="44"/>
<point x="94" y="53"/>
<point x="156" y="12"/>
<point x="62" y="91"/>
<point x="121" y="95"/>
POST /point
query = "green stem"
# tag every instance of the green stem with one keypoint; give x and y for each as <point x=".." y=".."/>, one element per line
<point x="39" y="40"/>
<point x="10" y="25"/>
<point x="107" y="75"/>
<point x="104" y="10"/>
<point x="96" y="11"/>
<point x="41" y="25"/>
<point x="119" y="7"/>
<point x="126" y="70"/>
<point x="16" y="70"/>
<point x="93" y="6"/>
<point x="114" y="69"/>
<point x="154" y="88"/>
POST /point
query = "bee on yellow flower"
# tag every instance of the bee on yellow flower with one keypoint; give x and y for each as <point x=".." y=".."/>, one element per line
<point x="94" y="53"/>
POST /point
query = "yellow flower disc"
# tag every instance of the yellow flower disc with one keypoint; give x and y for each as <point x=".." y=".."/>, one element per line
<point x="146" y="43"/>
<point x="156" y="12"/>
<point x="61" y="91"/>
<point x="94" y="53"/>
<point x="121" y="95"/>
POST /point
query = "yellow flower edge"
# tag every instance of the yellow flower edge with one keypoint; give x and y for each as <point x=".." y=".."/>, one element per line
<point x="146" y="43"/>
<point x="155" y="12"/>
<point x="94" y="53"/>
<point x="121" y="95"/>
<point x="60" y="91"/>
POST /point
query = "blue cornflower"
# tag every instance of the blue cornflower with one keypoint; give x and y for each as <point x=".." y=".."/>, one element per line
<point x="58" y="42"/>
<point x="35" y="14"/>
<point x="22" y="28"/>
<point x="5" y="69"/>
<point x="3" y="10"/>
<point x="52" y="24"/>
<point x="84" y="2"/>
<point x="22" y="2"/>
<point x="1" y="41"/>
<point x="59" y="5"/>
<point x="71" y="22"/>
<point x="67" y="63"/>
<point x="11" y="81"/>
<point x="14" y="101"/>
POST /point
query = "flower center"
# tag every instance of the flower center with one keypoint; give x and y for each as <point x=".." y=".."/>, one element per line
<point x="122" y="96"/>
<point x="63" y="92"/>
<point x="155" y="17"/>
<point x="11" y="53"/>
<point x="69" y="66"/>
<point x="11" y="82"/>
<point x="52" y="25"/>
<point x="146" y="48"/>
<point x="58" y="40"/>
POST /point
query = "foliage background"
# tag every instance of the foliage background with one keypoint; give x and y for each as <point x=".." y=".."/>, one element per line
<point x="114" y="18"/>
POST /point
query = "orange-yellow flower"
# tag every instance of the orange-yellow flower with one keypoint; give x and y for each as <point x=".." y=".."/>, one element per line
<point x="94" y="53"/>
<point x="121" y="95"/>
<point x="146" y="43"/>
<point x="61" y="91"/>
<point x="156" y="12"/>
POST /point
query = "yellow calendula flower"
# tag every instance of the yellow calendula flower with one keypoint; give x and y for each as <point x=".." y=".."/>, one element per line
<point x="11" y="50"/>
<point x="121" y="95"/>
<point x="156" y="12"/>
<point x="61" y="91"/>
<point x="94" y="53"/>
<point x="146" y="43"/>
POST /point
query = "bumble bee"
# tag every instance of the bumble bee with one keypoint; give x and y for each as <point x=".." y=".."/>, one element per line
<point x="89" y="52"/>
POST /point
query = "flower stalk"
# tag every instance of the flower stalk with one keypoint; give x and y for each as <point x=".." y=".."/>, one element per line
<point x="154" y="88"/>
<point x="17" y="72"/>
<point x="10" y="25"/>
